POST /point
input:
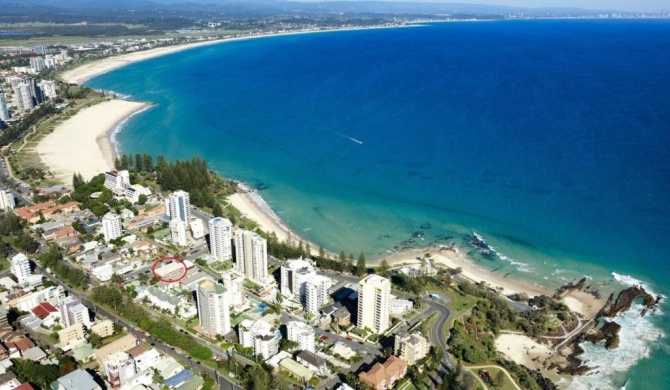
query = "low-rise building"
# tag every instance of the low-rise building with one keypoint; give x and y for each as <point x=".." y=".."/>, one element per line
<point x="76" y="380"/>
<point x="302" y="334"/>
<point x="342" y="316"/>
<point x="312" y="361"/>
<point x="295" y="369"/>
<point x="72" y="335"/>
<point x="121" y="345"/>
<point x="399" y="307"/>
<point x="103" y="328"/>
<point x="260" y="336"/>
<point x="384" y="376"/>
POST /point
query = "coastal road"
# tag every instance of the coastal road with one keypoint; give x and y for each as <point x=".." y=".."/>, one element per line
<point x="222" y="382"/>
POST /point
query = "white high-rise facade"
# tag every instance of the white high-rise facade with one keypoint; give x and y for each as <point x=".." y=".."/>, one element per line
<point x="213" y="308"/>
<point x="37" y="64"/>
<point x="260" y="336"/>
<point x="4" y="111"/>
<point x="294" y="276"/>
<point x="179" y="206"/>
<point x="117" y="180"/>
<point x="251" y="256"/>
<point x="24" y="98"/>
<point x="234" y="284"/>
<point x="301" y="333"/>
<point x="118" y="367"/>
<point x="73" y="312"/>
<point x="374" y="300"/>
<point x="221" y="238"/>
<point x="179" y="232"/>
<point x="7" y="200"/>
<point x="316" y="293"/>
<point x="48" y="88"/>
<point x="111" y="226"/>
<point x="20" y="267"/>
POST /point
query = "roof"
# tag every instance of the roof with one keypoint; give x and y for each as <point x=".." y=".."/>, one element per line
<point x="178" y="379"/>
<point x="193" y="383"/>
<point x="375" y="375"/>
<point x="342" y="312"/>
<point x="311" y="358"/>
<point x="44" y="309"/>
<point x="295" y="368"/>
<point x="24" y="344"/>
<point x="25" y="386"/>
<point x="138" y="350"/>
<point x="78" y="380"/>
<point x="34" y="354"/>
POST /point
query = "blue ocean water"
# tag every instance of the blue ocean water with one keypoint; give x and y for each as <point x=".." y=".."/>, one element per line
<point x="550" y="139"/>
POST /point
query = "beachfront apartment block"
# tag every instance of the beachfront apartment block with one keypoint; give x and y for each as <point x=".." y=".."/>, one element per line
<point x="234" y="284"/>
<point x="4" y="110"/>
<point x="20" y="267"/>
<point x="294" y="276"/>
<point x="111" y="226"/>
<point x="73" y="312"/>
<point x="302" y="334"/>
<point x="117" y="180"/>
<point x="221" y="238"/>
<point x="7" y="200"/>
<point x="410" y="347"/>
<point x="251" y="256"/>
<point x="178" y="206"/>
<point x="179" y="232"/>
<point x="24" y="99"/>
<point x="37" y="64"/>
<point x="374" y="300"/>
<point x="260" y="336"/>
<point x="213" y="308"/>
<point x="316" y="293"/>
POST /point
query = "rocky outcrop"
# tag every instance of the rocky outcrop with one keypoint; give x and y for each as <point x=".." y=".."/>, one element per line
<point x="567" y="288"/>
<point x="609" y="332"/>
<point x="625" y="300"/>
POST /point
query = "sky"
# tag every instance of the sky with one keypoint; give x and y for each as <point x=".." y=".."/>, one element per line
<point x="621" y="5"/>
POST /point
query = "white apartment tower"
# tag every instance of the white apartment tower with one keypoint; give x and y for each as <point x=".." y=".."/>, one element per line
<point x="20" y="267"/>
<point x="7" y="200"/>
<point x="118" y="367"/>
<point x="294" y="276"/>
<point x="221" y="238"/>
<point x="37" y="64"/>
<point x="213" y="308"/>
<point x="260" y="336"/>
<point x="374" y="300"/>
<point x="48" y="88"/>
<point x="316" y="293"/>
<point x="4" y="111"/>
<point x="234" y="284"/>
<point x="178" y="206"/>
<point x="24" y="98"/>
<point x="111" y="226"/>
<point x="73" y="312"/>
<point x="301" y="333"/>
<point x="179" y="232"/>
<point x="251" y="256"/>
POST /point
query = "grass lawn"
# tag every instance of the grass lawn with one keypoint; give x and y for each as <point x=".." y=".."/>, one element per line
<point x="506" y="384"/>
<point x="112" y="338"/>
<point x="4" y="264"/>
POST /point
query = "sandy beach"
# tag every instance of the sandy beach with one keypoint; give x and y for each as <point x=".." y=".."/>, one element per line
<point x="81" y="144"/>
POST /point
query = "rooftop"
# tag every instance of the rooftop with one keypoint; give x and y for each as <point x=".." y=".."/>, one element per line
<point x="77" y="380"/>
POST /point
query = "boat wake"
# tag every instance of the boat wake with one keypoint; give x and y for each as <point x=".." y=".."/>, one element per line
<point x="352" y="139"/>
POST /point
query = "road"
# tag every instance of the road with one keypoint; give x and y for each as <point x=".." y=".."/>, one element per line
<point x="223" y="382"/>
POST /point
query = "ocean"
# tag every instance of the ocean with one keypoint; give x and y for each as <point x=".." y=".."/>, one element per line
<point x="550" y="139"/>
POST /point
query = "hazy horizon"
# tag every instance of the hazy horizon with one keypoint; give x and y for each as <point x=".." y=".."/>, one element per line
<point x="618" y="5"/>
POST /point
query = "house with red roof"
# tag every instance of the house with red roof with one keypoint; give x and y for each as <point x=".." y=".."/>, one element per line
<point x="47" y="313"/>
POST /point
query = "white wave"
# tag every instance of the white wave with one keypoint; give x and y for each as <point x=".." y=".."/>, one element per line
<point x="120" y="126"/>
<point x="521" y="267"/>
<point x="637" y="337"/>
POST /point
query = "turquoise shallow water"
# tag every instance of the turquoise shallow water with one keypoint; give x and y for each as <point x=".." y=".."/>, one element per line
<point x="550" y="139"/>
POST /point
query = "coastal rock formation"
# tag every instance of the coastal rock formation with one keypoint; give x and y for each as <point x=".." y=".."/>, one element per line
<point x="609" y="332"/>
<point x="567" y="288"/>
<point x="625" y="300"/>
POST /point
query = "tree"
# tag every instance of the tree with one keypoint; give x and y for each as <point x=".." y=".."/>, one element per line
<point x="148" y="164"/>
<point x="322" y="252"/>
<point x="138" y="162"/>
<point x="142" y="199"/>
<point x="361" y="268"/>
<point x="499" y="379"/>
<point x="384" y="267"/>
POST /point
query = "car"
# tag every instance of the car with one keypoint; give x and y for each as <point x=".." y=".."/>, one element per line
<point x="349" y="339"/>
<point x="324" y="337"/>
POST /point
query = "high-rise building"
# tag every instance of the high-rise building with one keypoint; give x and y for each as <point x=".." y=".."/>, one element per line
<point x="73" y="312"/>
<point x="7" y="201"/>
<point x="37" y="64"/>
<point x="24" y="100"/>
<point x="234" y="284"/>
<point x="35" y="91"/>
<point x="4" y="111"/>
<point x="118" y="367"/>
<point x="178" y="206"/>
<point x="111" y="226"/>
<point x="302" y="334"/>
<point x="251" y="256"/>
<point x="221" y="238"/>
<point x="117" y="180"/>
<point x="20" y="267"/>
<point x="260" y="336"/>
<point x="48" y="88"/>
<point x="179" y="232"/>
<point x="374" y="300"/>
<point x="294" y="276"/>
<point x="213" y="308"/>
<point x="40" y="50"/>
<point x="316" y="293"/>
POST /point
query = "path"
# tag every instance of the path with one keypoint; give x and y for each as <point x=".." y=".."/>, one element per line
<point x="494" y="366"/>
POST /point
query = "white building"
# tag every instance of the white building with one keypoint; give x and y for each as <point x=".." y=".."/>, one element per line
<point x="234" y="285"/>
<point x="146" y="359"/>
<point x="24" y="99"/>
<point x="111" y="226"/>
<point x="316" y="293"/>
<point x="73" y="312"/>
<point x="179" y="232"/>
<point x="221" y="238"/>
<point x="213" y="308"/>
<point x="7" y="200"/>
<point x="197" y="228"/>
<point x="178" y="206"/>
<point x="20" y="267"/>
<point x="37" y="64"/>
<point x="260" y="336"/>
<point x="166" y="301"/>
<point x="118" y="368"/>
<point x="400" y="306"/>
<point x="294" y="276"/>
<point x="103" y="272"/>
<point x="134" y="191"/>
<point x="301" y="333"/>
<point x="374" y="300"/>
<point x="251" y="256"/>
<point x="4" y="111"/>
<point x="117" y="180"/>
<point x="49" y="89"/>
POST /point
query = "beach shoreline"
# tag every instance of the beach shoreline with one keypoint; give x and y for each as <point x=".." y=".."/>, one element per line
<point x="82" y="144"/>
<point x="84" y="72"/>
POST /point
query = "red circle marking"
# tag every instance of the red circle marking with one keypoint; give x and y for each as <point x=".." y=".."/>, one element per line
<point x="168" y="258"/>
